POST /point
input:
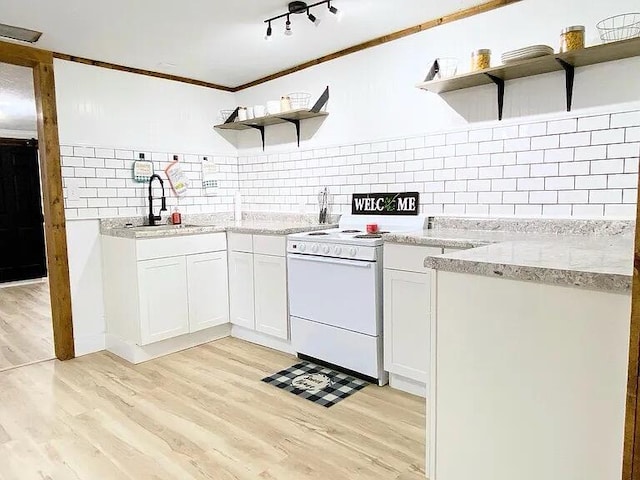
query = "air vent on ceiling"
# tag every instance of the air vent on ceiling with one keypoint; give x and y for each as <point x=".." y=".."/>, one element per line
<point x="17" y="33"/>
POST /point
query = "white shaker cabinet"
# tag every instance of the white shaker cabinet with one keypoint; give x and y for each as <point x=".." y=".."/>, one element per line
<point x="258" y="285"/>
<point x="406" y="307"/>
<point x="164" y="294"/>
<point x="407" y="316"/>
<point x="270" y="274"/>
<point x="241" y="289"/>
<point x="208" y="290"/>
<point x="163" y="299"/>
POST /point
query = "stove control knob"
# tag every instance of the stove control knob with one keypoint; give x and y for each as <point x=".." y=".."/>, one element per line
<point x="326" y="249"/>
<point x="338" y="250"/>
<point x="314" y="248"/>
<point x="302" y="247"/>
<point x="353" y="251"/>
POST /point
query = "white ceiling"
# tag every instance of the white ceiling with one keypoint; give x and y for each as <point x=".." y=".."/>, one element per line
<point x="17" y="100"/>
<point x="211" y="40"/>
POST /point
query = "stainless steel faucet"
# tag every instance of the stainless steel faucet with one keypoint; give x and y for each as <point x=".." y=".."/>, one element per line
<point x="153" y="219"/>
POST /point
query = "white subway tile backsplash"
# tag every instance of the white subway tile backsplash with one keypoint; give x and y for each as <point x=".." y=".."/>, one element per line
<point x="626" y="180"/>
<point x="490" y="172"/>
<point x="622" y="211"/>
<point x="490" y="197"/>
<point x="543" y="197"/>
<point x="630" y="195"/>
<point x="530" y="157"/>
<point x="482" y="135"/>
<point x="573" y="196"/>
<point x="515" y="197"/>
<point x="517" y="145"/>
<point x="503" y="185"/>
<point x="559" y="155"/>
<point x="533" y="129"/>
<point x="455" y="186"/>
<point x="591" y="153"/>
<point x="559" y="183"/>
<point x="546" y="142"/>
<point x="605" y="196"/>
<point x="632" y="134"/>
<point x="605" y="137"/>
<point x="455" y="162"/>
<point x="607" y="166"/>
<point x="562" y="126"/>
<point x="84" y="152"/>
<point x="479" y="185"/>
<point x="434" y="140"/>
<point x="588" y="211"/>
<point x="483" y="160"/>
<point x="591" y="181"/>
<point x="599" y="122"/>
<point x="503" y="159"/>
<point x="496" y="146"/>
<point x="516" y="171"/>
<point x="457" y="137"/>
<point x="582" y="139"/>
<point x="631" y="165"/>
<point x="524" y="184"/>
<point x="503" y="133"/>
<point x="626" y="119"/>
<point x="623" y="150"/>
<point x="574" y="168"/>
<point x="528" y="210"/>
<point x="125" y="154"/>
<point x="544" y="170"/>
<point x="556" y="210"/>
<point x="502" y="210"/>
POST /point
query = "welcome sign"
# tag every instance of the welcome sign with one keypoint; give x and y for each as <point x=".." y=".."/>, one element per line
<point x="405" y="203"/>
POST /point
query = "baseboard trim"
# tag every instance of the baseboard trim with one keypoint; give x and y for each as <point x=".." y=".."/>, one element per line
<point x="136" y="354"/>
<point x="407" y="385"/>
<point x="262" y="339"/>
<point x="84" y="345"/>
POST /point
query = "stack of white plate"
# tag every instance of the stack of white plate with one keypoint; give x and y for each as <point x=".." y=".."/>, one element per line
<point x="534" y="51"/>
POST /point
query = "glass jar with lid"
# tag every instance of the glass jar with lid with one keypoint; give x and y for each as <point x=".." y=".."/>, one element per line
<point x="572" y="38"/>
<point x="480" y="59"/>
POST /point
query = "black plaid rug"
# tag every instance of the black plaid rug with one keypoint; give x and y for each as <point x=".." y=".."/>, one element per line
<point x="319" y="384"/>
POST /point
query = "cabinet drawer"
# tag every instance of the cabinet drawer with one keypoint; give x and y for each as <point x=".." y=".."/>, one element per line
<point x="240" y="242"/>
<point x="270" y="245"/>
<point x="151" y="248"/>
<point x="408" y="257"/>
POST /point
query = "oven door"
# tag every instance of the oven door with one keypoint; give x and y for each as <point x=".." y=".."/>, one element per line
<point x="337" y="292"/>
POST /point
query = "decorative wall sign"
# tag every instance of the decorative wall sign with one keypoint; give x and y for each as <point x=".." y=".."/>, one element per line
<point x="405" y="203"/>
<point x="142" y="170"/>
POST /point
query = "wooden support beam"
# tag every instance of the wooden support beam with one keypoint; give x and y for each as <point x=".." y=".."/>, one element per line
<point x="53" y="200"/>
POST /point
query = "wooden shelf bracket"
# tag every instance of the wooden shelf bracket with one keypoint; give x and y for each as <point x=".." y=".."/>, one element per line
<point x="570" y="76"/>
<point x="500" y="84"/>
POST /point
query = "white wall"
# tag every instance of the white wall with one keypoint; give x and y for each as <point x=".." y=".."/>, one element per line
<point x="108" y="112"/>
<point x="373" y="95"/>
<point x="108" y="108"/>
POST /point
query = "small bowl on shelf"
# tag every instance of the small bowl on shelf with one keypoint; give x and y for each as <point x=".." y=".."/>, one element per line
<point x="619" y="27"/>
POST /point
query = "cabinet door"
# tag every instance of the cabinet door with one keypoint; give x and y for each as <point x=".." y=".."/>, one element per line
<point x="208" y="290"/>
<point x="163" y="299"/>
<point x="241" y="289"/>
<point x="272" y="312"/>
<point x="407" y="304"/>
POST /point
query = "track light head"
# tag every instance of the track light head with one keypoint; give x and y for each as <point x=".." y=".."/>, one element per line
<point x="335" y="11"/>
<point x="312" y="18"/>
<point x="287" y="28"/>
<point x="269" y="32"/>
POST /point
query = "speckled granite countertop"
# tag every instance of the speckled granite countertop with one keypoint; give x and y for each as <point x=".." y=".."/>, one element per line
<point x="250" y="226"/>
<point x="599" y="258"/>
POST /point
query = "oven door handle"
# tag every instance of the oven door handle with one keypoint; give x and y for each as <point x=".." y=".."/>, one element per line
<point x="331" y="260"/>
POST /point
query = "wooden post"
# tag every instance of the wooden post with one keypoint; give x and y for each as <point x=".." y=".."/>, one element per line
<point x="55" y="225"/>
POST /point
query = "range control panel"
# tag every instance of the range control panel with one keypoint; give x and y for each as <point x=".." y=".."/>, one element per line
<point x="353" y="252"/>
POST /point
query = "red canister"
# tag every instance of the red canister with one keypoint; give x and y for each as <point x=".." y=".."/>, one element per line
<point x="372" y="228"/>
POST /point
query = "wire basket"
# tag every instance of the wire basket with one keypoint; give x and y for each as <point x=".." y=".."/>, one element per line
<point x="225" y="114"/>
<point x="448" y="67"/>
<point x="619" y="27"/>
<point x="299" y="100"/>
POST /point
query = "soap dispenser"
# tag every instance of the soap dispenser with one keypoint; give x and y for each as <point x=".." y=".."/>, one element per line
<point x="176" y="217"/>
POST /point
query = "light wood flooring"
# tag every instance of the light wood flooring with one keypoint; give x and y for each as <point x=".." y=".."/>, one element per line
<point x="26" y="332"/>
<point x="198" y="414"/>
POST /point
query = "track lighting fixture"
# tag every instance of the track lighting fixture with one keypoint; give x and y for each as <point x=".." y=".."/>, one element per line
<point x="298" y="8"/>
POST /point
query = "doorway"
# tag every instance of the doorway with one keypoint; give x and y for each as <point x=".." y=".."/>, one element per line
<point x="26" y="328"/>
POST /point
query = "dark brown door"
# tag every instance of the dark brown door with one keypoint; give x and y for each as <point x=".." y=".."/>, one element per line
<point x="22" y="247"/>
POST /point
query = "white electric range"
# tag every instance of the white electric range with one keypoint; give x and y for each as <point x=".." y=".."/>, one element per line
<point x="335" y="292"/>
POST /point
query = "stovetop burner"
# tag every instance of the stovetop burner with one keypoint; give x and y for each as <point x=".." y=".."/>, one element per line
<point x="317" y="234"/>
<point x="369" y="235"/>
<point x="351" y="231"/>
